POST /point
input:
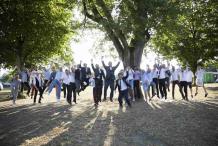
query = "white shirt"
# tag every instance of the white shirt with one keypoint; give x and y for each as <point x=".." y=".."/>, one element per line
<point x="200" y="74"/>
<point x="145" y="78"/>
<point x="183" y="76"/>
<point x="72" y="77"/>
<point x="24" y="76"/>
<point x="150" y="77"/>
<point x="162" y="73"/>
<point x="175" y="75"/>
<point x="58" y="75"/>
<point x="130" y="77"/>
<point x="122" y="84"/>
<point x="190" y="75"/>
<point x="155" y="73"/>
<point x="39" y="80"/>
<point x="47" y="74"/>
<point x="66" y="78"/>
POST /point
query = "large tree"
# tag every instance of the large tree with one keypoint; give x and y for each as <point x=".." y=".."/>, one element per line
<point x="191" y="36"/>
<point x="128" y="23"/>
<point x="33" y="31"/>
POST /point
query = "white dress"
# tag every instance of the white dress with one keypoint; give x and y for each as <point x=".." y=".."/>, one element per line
<point x="200" y="77"/>
<point x="145" y="81"/>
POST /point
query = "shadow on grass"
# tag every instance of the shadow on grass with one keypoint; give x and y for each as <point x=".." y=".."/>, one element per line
<point x="158" y="123"/>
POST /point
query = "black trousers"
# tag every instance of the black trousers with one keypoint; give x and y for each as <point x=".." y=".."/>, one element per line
<point x="107" y="84"/>
<point x="123" y="94"/>
<point x="155" y="80"/>
<point x="162" y="86"/>
<point x="167" y="83"/>
<point x="27" y="85"/>
<point x="137" y="92"/>
<point x="45" y="85"/>
<point x="64" y="89"/>
<point x="83" y="86"/>
<point x="183" y="87"/>
<point x="174" y="83"/>
<point x="40" y="91"/>
<point x="97" y="90"/>
<point x="71" y="88"/>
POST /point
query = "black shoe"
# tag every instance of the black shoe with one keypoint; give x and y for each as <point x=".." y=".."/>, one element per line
<point x="206" y="95"/>
<point x="196" y="93"/>
<point x="104" y="99"/>
<point x="111" y="100"/>
<point x="192" y="96"/>
<point x="39" y="102"/>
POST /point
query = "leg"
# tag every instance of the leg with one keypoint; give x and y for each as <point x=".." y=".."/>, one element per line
<point x="112" y="90"/>
<point x="149" y="95"/>
<point x="40" y="93"/>
<point x="64" y="89"/>
<point x="95" y="95"/>
<point x="69" y="93"/>
<point x="28" y="86"/>
<point x="186" y="90"/>
<point x="126" y="97"/>
<point x="120" y="99"/>
<point x="58" y="91"/>
<point x="137" y="89"/>
<point x="181" y="89"/>
<point x="165" y="90"/>
<point x="173" y="88"/>
<point x="74" y="92"/>
<point x="105" y="89"/>
<point x="35" y="95"/>
<point x="161" y="84"/>
<point x="22" y="85"/>
<point x="196" y="92"/>
<point x="190" y="88"/>
<point x="205" y="91"/>
<point x="145" y="94"/>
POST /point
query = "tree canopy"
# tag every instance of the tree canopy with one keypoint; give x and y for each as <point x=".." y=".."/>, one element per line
<point x="191" y="36"/>
<point x="33" y="31"/>
<point x="127" y="23"/>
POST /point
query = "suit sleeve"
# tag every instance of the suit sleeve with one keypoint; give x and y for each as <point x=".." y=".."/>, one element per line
<point x="93" y="68"/>
<point x="104" y="64"/>
<point x="89" y="71"/>
<point x="127" y="74"/>
<point x="115" y="67"/>
<point x="103" y="74"/>
<point x="116" y="85"/>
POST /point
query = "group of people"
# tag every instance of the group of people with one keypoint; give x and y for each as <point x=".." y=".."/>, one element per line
<point x="129" y="81"/>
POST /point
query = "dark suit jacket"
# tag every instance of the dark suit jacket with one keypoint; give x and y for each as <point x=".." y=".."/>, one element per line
<point x="99" y="73"/>
<point x="110" y="72"/>
<point x="124" y="80"/>
<point x="85" y="72"/>
<point x="78" y="74"/>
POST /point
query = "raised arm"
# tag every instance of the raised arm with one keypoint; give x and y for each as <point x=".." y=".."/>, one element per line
<point x="127" y="74"/>
<point x="103" y="74"/>
<point x="116" y="86"/>
<point x="103" y="64"/>
<point x="115" y="67"/>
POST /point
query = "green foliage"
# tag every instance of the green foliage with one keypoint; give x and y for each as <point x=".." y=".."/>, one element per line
<point x="33" y="30"/>
<point x="127" y="23"/>
<point x="190" y="33"/>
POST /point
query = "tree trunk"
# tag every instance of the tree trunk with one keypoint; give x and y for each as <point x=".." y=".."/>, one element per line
<point x="19" y="55"/>
<point x="132" y="56"/>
